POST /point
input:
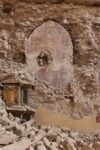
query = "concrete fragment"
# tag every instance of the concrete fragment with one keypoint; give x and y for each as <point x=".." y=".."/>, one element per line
<point x="20" y="145"/>
<point x="46" y="142"/>
<point x="37" y="138"/>
<point x="7" y="139"/>
<point x="41" y="147"/>
<point x="54" y="146"/>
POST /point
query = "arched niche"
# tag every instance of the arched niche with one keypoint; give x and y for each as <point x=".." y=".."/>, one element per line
<point x="49" y="53"/>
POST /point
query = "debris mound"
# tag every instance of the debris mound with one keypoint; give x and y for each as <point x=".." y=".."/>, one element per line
<point x="27" y="136"/>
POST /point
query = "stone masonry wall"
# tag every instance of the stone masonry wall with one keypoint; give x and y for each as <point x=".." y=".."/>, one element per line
<point x="18" y="22"/>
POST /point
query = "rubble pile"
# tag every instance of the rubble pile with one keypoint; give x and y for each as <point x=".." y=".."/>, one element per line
<point x="18" y="135"/>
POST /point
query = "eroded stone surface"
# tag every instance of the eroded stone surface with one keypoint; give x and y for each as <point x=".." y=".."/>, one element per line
<point x="82" y="23"/>
<point x="52" y="45"/>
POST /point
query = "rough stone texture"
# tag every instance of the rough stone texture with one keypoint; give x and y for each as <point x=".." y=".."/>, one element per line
<point x="81" y="2"/>
<point x="22" y="19"/>
<point x="44" y="137"/>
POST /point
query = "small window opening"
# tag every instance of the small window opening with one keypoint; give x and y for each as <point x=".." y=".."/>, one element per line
<point x="44" y="58"/>
<point x="33" y="87"/>
<point x="19" y="57"/>
<point x="26" y="117"/>
<point x="25" y="96"/>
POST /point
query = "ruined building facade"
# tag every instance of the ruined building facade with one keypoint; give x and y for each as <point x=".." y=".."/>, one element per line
<point x="57" y="45"/>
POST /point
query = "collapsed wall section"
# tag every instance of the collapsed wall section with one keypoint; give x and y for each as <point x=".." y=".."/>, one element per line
<point x="81" y="25"/>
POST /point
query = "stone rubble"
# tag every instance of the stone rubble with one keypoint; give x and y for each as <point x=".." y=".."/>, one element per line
<point x="27" y="136"/>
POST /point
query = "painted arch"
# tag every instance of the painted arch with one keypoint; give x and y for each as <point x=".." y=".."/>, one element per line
<point x="49" y="52"/>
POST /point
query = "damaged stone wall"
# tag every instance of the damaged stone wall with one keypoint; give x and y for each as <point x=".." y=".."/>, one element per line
<point x="20" y="20"/>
